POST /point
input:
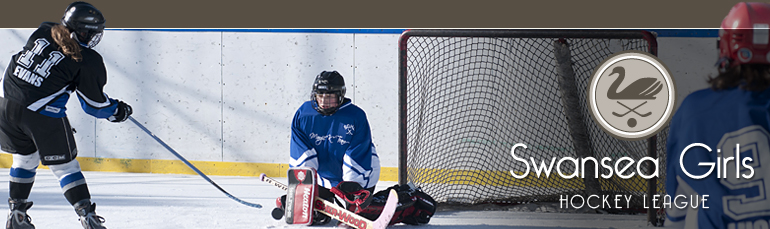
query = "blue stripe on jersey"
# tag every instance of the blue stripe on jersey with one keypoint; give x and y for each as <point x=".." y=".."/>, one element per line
<point x="353" y="169"/>
<point x="22" y="173"/>
<point x="60" y="103"/>
<point x="105" y="112"/>
<point x="69" y="178"/>
<point x="302" y="163"/>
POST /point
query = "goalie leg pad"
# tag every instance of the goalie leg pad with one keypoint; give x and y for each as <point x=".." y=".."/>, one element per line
<point x="300" y="197"/>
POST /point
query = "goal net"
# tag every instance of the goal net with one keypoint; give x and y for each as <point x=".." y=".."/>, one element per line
<point x="467" y="96"/>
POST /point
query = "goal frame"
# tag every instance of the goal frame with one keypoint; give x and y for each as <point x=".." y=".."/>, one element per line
<point x="525" y="33"/>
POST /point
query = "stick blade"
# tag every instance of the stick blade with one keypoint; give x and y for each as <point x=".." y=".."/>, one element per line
<point x="387" y="212"/>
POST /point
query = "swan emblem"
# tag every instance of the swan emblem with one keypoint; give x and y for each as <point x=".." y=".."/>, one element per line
<point x="641" y="89"/>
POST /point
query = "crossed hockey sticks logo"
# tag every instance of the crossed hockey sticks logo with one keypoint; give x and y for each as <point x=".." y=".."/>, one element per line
<point x="632" y="110"/>
<point x="614" y="108"/>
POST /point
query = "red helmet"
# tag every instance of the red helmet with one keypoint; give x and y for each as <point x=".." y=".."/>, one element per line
<point x="744" y="35"/>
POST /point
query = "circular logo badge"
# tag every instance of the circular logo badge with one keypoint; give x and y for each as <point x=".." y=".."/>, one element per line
<point x="631" y="95"/>
<point x="745" y="55"/>
<point x="301" y="176"/>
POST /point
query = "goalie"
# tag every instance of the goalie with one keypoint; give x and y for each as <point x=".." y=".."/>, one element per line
<point x="332" y="135"/>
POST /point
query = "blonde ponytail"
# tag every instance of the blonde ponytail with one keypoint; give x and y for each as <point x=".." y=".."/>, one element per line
<point x="70" y="47"/>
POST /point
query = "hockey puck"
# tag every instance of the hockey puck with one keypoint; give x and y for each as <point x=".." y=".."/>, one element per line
<point x="277" y="213"/>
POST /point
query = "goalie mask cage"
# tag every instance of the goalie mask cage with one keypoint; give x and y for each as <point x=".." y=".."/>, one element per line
<point x="467" y="96"/>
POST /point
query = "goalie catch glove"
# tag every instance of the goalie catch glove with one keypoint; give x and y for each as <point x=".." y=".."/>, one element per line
<point x="415" y="207"/>
<point x="353" y="194"/>
<point x="121" y="113"/>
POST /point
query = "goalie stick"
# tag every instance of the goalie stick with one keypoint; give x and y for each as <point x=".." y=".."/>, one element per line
<point x="191" y="165"/>
<point x="343" y="215"/>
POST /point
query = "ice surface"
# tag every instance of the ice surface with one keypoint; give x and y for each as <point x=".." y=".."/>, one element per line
<point x="149" y="201"/>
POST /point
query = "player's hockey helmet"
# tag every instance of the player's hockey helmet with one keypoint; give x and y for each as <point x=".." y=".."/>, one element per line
<point x="744" y="35"/>
<point x="328" y="82"/>
<point x="86" y="23"/>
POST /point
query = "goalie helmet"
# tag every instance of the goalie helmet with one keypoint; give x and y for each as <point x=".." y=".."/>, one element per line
<point x="743" y="35"/>
<point x="328" y="83"/>
<point x="86" y="23"/>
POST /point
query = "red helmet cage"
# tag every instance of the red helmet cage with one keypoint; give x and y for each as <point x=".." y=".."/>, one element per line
<point x="744" y="35"/>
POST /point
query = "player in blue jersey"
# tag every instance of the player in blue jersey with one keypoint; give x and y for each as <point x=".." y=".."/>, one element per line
<point x="332" y="135"/>
<point x="731" y="118"/>
<point x="56" y="61"/>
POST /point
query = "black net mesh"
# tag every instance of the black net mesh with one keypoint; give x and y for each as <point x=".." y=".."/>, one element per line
<point x="469" y="98"/>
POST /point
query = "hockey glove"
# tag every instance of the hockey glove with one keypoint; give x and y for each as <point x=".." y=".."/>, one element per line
<point x="279" y="211"/>
<point x="353" y="194"/>
<point x="121" y="113"/>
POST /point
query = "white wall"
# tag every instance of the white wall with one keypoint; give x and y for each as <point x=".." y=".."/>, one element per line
<point x="230" y="96"/>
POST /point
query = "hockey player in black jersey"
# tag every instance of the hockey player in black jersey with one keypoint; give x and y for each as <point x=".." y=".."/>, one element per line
<point x="56" y="61"/>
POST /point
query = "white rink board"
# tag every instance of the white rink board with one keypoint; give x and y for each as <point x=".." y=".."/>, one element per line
<point x="172" y="79"/>
<point x="267" y="76"/>
<point x="11" y="41"/>
<point x="376" y="90"/>
<point x="690" y="61"/>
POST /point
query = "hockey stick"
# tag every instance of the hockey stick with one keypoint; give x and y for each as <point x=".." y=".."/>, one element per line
<point x="632" y="110"/>
<point x="343" y="215"/>
<point x="191" y="165"/>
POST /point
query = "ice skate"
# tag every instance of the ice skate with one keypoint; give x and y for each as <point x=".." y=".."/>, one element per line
<point x="88" y="217"/>
<point x="18" y="218"/>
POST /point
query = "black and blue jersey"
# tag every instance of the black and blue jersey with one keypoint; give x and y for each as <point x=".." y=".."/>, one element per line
<point x="41" y="78"/>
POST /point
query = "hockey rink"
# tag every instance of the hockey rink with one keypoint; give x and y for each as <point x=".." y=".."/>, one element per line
<point x="149" y="201"/>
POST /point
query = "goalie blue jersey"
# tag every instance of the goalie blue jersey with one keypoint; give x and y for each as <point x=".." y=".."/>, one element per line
<point x="723" y="120"/>
<point x="338" y="146"/>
